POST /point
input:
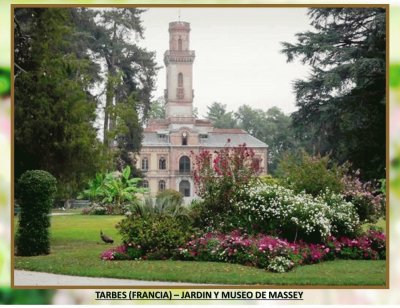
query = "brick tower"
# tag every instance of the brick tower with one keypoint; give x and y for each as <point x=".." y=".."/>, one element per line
<point x="179" y="65"/>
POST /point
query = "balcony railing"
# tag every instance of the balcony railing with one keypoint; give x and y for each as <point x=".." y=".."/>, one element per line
<point x="182" y="173"/>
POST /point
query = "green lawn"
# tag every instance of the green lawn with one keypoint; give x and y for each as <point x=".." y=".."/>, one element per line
<point x="76" y="247"/>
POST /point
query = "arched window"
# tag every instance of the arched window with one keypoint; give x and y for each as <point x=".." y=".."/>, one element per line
<point x="184" y="138"/>
<point x="162" y="164"/>
<point x="145" y="164"/>
<point x="145" y="184"/>
<point x="161" y="185"/>
<point x="184" y="188"/>
<point x="184" y="164"/>
<point x="180" y="80"/>
<point x="179" y="44"/>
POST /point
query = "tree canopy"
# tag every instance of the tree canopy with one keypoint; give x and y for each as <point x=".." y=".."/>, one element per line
<point x="54" y="110"/>
<point x="342" y="104"/>
<point x="61" y="57"/>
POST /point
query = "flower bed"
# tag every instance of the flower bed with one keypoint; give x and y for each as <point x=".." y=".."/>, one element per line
<point x="265" y="251"/>
<point x="267" y="208"/>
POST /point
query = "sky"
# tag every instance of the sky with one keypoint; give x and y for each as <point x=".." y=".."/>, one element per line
<point x="238" y="59"/>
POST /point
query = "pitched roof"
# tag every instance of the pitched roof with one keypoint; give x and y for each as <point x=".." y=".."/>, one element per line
<point x="214" y="139"/>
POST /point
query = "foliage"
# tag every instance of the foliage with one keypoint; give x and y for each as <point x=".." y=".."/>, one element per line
<point x="216" y="179"/>
<point x="36" y="190"/>
<point x="370" y="246"/>
<point x="69" y="244"/>
<point x="220" y="118"/>
<point x="129" y="74"/>
<point x="160" y="233"/>
<point x="279" y="255"/>
<point x="342" y="104"/>
<point x="272" y="127"/>
<point x="170" y="194"/>
<point x="54" y="110"/>
<point x="114" y="189"/>
<point x="369" y="202"/>
<point x="312" y="174"/>
<point x="280" y="264"/>
<point x="157" y="108"/>
<point x="277" y="210"/>
<point x="162" y="206"/>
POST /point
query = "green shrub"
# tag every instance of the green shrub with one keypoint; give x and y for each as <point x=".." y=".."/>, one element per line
<point x="154" y="234"/>
<point x="163" y="206"/>
<point x="312" y="174"/>
<point x="367" y="198"/>
<point x="170" y="194"/>
<point x="36" y="190"/>
<point x="114" y="189"/>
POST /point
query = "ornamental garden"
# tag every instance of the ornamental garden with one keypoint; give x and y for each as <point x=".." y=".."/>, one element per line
<point x="274" y="224"/>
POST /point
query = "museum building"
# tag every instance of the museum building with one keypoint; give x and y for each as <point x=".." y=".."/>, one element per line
<point x="168" y="144"/>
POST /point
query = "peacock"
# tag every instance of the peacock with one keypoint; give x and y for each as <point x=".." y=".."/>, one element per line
<point x="105" y="238"/>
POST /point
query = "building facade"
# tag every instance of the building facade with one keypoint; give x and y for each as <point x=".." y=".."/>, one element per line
<point x="167" y="147"/>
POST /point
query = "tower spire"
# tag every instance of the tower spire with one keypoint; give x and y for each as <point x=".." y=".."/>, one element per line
<point x="179" y="14"/>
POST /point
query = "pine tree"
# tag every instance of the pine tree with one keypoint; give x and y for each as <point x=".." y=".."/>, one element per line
<point x="342" y="104"/>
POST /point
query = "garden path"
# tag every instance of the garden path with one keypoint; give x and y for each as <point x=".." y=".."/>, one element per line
<point x="28" y="278"/>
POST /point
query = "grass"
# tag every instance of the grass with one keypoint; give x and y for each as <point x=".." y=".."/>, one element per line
<point x="76" y="247"/>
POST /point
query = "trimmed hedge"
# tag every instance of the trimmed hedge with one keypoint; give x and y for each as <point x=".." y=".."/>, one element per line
<point x="36" y="190"/>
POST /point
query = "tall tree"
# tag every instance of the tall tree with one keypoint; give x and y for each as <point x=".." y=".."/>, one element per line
<point x="157" y="109"/>
<point x="54" y="111"/>
<point x="342" y="103"/>
<point x="220" y="117"/>
<point x="130" y="73"/>
<point x="272" y="127"/>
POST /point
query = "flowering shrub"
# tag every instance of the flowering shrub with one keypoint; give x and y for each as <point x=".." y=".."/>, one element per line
<point x="370" y="246"/>
<point x="370" y="204"/>
<point x="117" y="253"/>
<point x="218" y="175"/>
<point x="268" y="208"/>
<point x="262" y="251"/>
<point x="279" y="255"/>
<point x="342" y="215"/>
<point x="230" y="168"/>
<point x="280" y="264"/>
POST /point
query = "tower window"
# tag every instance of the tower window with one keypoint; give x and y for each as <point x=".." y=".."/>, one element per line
<point x="180" y="44"/>
<point x="180" y="80"/>
<point x="161" y="185"/>
<point x="184" y="164"/>
<point x="145" y="164"/>
<point x="184" y="138"/>
<point x="162" y="164"/>
<point x="145" y="184"/>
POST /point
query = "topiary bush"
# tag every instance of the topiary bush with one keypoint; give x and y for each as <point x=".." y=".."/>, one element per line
<point x="36" y="190"/>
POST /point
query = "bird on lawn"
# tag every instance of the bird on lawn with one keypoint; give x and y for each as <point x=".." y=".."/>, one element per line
<point x="105" y="238"/>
